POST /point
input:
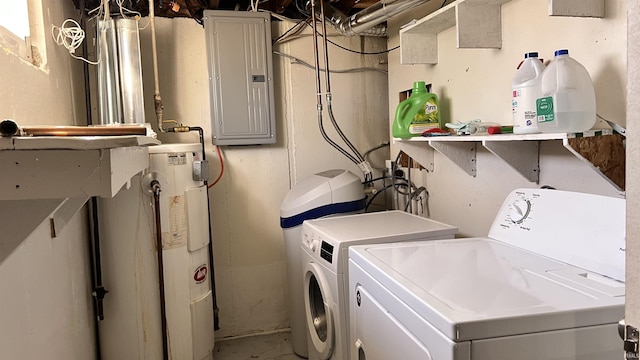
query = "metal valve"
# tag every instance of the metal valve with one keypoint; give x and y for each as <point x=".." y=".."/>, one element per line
<point x="200" y="170"/>
<point x="629" y="335"/>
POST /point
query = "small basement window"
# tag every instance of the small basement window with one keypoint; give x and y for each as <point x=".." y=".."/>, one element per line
<point x="21" y="31"/>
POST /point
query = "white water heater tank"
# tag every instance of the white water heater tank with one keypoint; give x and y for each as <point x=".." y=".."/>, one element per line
<point x="131" y="328"/>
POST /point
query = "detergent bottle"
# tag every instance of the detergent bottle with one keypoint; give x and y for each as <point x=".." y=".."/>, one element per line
<point x="568" y="101"/>
<point x="418" y="113"/>
<point x="525" y="88"/>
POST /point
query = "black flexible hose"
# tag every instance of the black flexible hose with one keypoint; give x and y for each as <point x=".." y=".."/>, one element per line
<point x="98" y="292"/>
<point x="155" y="187"/>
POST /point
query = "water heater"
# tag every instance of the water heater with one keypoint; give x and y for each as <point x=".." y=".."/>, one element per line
<point x="132" y="325"/>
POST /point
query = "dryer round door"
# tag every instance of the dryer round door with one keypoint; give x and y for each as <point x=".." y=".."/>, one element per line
<point x="319" y="315"/>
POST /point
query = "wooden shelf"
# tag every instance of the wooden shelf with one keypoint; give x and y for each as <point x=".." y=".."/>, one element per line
<point x="478" y="25"/>
<point x="601" y="149"/>
<point x="68" y="167"/>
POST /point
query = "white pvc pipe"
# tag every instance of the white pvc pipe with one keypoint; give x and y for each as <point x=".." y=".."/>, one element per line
<point x="157" y="99"/>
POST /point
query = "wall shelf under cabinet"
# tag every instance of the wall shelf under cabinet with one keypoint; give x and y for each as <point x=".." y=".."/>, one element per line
<point x="603" y="150"/>
<point x="67" y="167"/>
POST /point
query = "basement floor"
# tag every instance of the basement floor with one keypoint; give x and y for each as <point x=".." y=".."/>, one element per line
<point x="275" y="346"/>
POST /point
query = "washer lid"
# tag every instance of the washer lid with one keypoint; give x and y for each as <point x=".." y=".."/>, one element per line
<point x="481" y="288"/>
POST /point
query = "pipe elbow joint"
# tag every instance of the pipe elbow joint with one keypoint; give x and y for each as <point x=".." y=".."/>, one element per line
<point x="155" y="187"/>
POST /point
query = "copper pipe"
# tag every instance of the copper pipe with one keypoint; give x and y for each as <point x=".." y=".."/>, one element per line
<point x="84" y="130"/>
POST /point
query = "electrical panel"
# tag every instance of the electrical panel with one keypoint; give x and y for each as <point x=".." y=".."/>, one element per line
<point x="240" y="77"/>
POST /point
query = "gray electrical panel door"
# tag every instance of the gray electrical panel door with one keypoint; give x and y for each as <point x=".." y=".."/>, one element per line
<point x="240" y="77"/>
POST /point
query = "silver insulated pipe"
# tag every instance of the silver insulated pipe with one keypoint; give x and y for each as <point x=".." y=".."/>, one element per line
<point x="109" y="104"/>
<point x="367" y="22"/>
<point x="120" y="90"/>
<point x="130" y="68"/>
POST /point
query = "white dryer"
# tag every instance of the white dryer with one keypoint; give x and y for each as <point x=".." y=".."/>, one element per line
<point x="547" y="283"/>
<point x="325" y="244"/>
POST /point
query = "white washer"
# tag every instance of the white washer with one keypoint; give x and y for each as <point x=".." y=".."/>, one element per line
<point x="547" y="283"/>
<point x="325" y="245"/>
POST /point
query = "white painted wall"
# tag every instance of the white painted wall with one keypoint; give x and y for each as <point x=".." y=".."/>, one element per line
<point x="633" y="169"/>
<point x="52" y="95"/>
<point x="245" y="204"/>
<point x="476" y="84"/>
<point x="46" y="301"/>
<point x="45" y="293"/>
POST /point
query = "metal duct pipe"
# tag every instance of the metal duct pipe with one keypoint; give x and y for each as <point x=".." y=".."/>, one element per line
<point x="130" y="68"/>
<point x="120" y="72"/>
<point x="366" y="21"/>
<point x="341" y="22"/>
<point x="8" y="128"/>
<point x="109" y="102"/>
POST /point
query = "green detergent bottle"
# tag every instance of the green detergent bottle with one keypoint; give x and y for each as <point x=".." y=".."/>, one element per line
<point x="418" y="113"/>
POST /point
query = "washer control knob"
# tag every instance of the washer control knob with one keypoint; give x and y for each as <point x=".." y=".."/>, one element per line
<point x="520" y="210"/>
<point x="315" y="245"/>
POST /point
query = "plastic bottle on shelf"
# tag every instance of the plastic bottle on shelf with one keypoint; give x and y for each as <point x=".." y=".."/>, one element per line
<point x="568" y="100"/>
<point x="417" y="114"/>
<point x="525" y="91"/>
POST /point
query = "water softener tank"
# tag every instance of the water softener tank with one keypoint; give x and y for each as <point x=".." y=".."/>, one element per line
<point x="131" y="328"/>
<point x="323" y="194"/>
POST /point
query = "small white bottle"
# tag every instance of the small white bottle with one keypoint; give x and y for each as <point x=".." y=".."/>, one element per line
<point x="525" y="92"/>
<point x="568" y="100"/>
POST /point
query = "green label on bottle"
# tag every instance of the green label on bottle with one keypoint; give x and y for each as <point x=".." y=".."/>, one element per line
<point x="544" y="109"/>
<point x="427" y="114"/>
